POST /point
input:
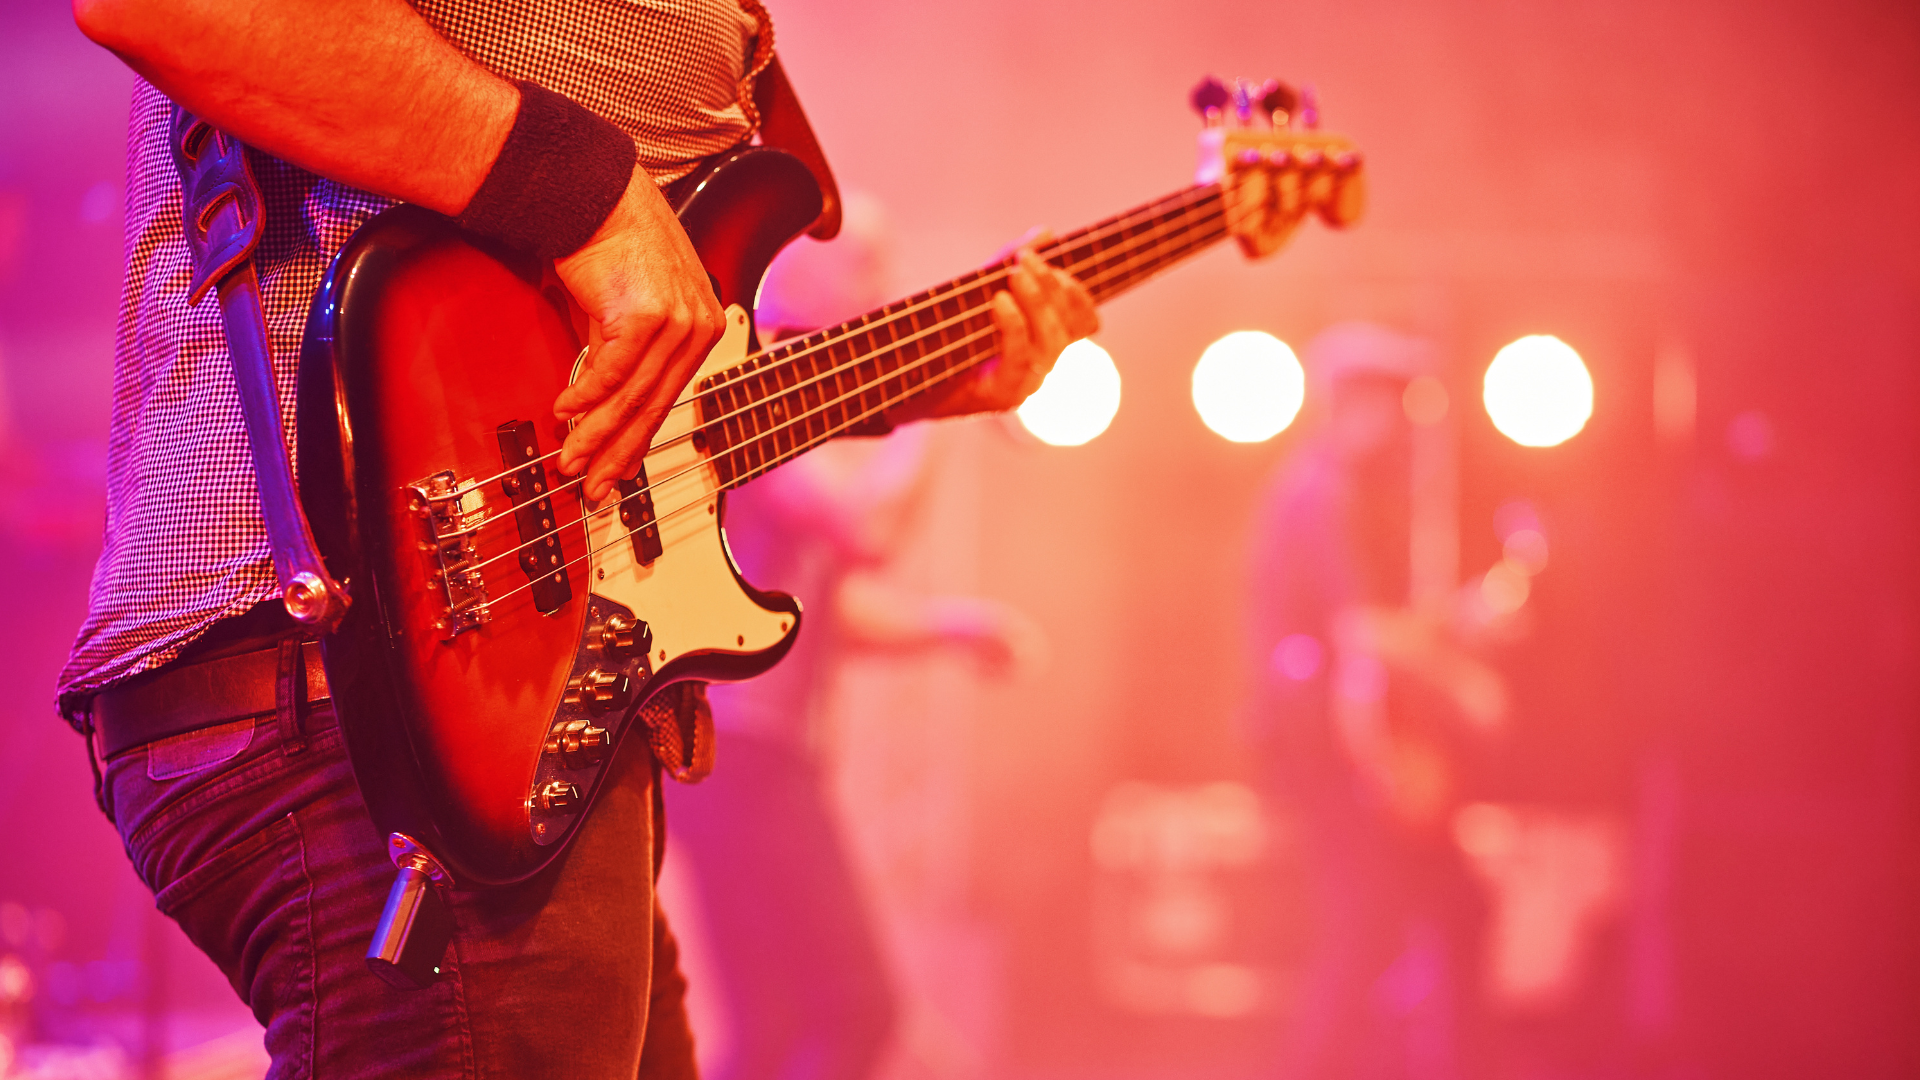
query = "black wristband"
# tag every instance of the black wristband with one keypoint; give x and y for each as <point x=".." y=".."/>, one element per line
<point x="561" y="172"/>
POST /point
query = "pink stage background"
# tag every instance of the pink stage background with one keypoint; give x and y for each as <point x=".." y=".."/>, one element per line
<point x="1722" y="674"/>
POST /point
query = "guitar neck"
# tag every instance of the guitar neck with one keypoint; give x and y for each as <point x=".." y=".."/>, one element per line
<point x="786" y="400"/>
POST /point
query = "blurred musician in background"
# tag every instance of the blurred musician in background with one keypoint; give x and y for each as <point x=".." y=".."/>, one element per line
<point x="800" y="974"/>
<point x="1371" y="708"/>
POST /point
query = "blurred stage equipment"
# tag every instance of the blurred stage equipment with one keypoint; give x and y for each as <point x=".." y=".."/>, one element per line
<point x="1538" y="392"/>
<point x="1078" y="399"/>
<point x="1248" y="386"/>
<point x="1174" y="893"/>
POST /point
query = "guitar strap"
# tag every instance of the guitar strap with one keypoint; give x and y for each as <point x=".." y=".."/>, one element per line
<point x="221" y="212"/>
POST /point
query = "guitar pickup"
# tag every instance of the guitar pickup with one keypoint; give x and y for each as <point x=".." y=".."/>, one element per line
<point x="541" y="556"/>
<point x="636" y="513"/>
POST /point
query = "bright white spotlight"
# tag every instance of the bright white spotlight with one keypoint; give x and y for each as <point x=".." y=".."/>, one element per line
<point x="1538" y="392"/>
<point x="1248" y="386"/>
<point x="1078" y="399"/>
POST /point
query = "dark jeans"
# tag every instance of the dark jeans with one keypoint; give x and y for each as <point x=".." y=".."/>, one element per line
<point x="799" y="968"/>
<point x="263" y="852"/>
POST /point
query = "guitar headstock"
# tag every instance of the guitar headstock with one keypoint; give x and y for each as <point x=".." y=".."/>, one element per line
<point x="1264" y="146"/>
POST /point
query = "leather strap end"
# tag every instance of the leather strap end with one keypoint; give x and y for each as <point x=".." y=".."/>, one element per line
<point x="220" y="200"/>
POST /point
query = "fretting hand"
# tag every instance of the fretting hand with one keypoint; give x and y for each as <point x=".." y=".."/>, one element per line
<point x="1042" y="311"/>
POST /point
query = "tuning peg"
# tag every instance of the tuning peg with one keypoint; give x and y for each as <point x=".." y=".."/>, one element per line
<point x="1309" y="108"/>
<point x="1209" y="99"/>
<point x="1279" y="102"/>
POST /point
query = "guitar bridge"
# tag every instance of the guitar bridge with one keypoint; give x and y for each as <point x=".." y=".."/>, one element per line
<point x="451" y="511"/>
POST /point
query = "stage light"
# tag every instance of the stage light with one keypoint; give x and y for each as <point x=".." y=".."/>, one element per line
<point x="1248" y="386"/>
<point x="1078" y="399"/>
<point x="1538" y="392"/>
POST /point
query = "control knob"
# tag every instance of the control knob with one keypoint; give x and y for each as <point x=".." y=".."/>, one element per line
<point x="600" y="690"/>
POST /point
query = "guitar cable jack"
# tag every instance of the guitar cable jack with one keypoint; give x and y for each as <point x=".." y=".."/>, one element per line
<point x="411" y="938"/>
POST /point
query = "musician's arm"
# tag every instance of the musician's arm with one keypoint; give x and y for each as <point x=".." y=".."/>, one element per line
<point x="874" y="615"/>
<point x="365" y="92"/>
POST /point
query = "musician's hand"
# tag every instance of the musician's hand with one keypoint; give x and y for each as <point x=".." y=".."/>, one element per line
<point x="1042" y="311"/>
<point x="641" y="281"/>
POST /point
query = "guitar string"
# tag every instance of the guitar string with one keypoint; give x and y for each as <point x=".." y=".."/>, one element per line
<point x="1129" y="264"/>
<point x="758" y="438"/>
<point x="1096" y="281"/>
<point x="1132" y="262"/>
<point x="835" y="335"/>
<point x="989" y="275"/>
<point x="1125" y="265"/>
<point x="660" y="519"/>
<point x="759" y="441"/>
<point x="1160" y="209"/>
<point x="1156" y="234"/>
<point x="489" y="604"/>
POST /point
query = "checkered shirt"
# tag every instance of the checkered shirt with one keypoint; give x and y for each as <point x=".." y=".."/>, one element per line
<point x="185" y="544"/>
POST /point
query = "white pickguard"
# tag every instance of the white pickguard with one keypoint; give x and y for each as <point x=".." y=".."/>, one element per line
<point x="688" y="596"/>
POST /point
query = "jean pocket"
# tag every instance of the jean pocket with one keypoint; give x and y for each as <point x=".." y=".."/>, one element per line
<point x="181" y="755"/>
<point x="250" y="909"/>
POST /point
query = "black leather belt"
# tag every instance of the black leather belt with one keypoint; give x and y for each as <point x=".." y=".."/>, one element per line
<point x="187" y="697"/>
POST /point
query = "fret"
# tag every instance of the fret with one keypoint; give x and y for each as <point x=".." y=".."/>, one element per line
<point x="779" y="437"/>
<point x="799" y="425"/>
<point x="943" y="335"/>
<point x="866" y="377"/>
<point x="734" y="426"/>
<point x="760" y="415"/>
<point x="712" y="408"/>
<point x="838" y="355"/>
<point x="801" y="395"/>
<point x="922" y="317"/>
<point x="886" y="357"/>
<point x="912" y="371"/>
<point x="815" y="393"/>
<point x="1084" y="255"/>
<point x="748" y="452"/>
<point x="853" y="381"/>
<point x="758" y="422"/>
<point x="884" y="333"/>
<point x="783" y="407"/>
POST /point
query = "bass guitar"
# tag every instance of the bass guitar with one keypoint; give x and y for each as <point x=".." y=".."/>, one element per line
<point x="505" y="633"/>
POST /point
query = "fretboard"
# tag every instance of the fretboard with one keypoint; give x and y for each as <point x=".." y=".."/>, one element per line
<point x="782" y="402"/>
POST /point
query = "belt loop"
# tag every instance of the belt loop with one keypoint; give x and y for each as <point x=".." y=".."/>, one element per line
<point x="78" y="711"/>
<point x="290" y="696"/>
